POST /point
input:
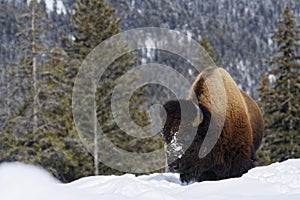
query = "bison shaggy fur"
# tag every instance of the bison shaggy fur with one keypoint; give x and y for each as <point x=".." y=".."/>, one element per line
<point x="240" y="135"/>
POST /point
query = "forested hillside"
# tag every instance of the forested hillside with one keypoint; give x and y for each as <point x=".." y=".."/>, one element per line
<point x="43" y="44"/>
<point x="240" y="31"/>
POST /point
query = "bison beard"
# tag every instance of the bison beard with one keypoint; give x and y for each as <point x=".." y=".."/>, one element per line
<point x="234" y="152"/>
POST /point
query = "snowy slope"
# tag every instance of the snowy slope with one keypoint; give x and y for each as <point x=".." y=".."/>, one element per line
<point x="279" y="181"/>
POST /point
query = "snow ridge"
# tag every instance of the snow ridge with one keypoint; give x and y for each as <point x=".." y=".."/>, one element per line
<point x="278" y="181"/>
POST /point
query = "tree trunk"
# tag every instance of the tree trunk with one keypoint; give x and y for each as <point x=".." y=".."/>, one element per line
<point x="34" y="73"/>
<point x="96" y="151"/>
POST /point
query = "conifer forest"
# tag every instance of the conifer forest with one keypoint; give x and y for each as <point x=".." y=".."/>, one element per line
<point x="44" y="43"/>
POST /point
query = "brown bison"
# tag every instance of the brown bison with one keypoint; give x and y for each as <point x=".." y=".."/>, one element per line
<point x="187" y="123"/>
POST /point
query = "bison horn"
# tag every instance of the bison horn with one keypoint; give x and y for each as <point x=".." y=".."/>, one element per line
<point x="199" y="117"/>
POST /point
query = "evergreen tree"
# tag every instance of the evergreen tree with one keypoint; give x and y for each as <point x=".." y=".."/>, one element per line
<point x="63" y="153"/>
<point x="55" y="146"/>
<point x="206" y="58"/>
<point x="94" y="21"/>
<point x="46" y="79"/>
<point x="279" y="98"/>
<point x="208" y="47"/>
<point x="32" y="21"/>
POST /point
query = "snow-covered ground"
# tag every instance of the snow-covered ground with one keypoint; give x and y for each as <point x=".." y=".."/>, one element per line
<point x="279" y="181"/>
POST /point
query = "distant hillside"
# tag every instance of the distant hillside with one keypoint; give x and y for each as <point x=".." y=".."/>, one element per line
<point x="239" y="30"/>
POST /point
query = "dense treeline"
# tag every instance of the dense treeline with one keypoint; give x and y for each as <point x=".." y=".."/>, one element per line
<point x="280" y="93"/>
<point x="37" y="122"/>
<point x="41" y="51"/>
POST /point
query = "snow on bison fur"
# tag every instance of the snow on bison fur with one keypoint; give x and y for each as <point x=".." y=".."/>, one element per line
<point x="240" y="136"/>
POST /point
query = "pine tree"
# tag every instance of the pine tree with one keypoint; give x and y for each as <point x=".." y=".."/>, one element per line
<point x="46" y="79"/>
<point x="94" y="21"/>
<point x="61" y="150"/>
<point x="280" y="97"/>
<point x="6" y="51"/>
<point x="23" y="78"/>
<point x="208" y="48"/>
<point x="31" y="23"/>
<point x="206" y="56"/>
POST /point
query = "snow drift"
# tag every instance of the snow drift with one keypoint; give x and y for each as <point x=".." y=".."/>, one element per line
<point x="278" y="181"/>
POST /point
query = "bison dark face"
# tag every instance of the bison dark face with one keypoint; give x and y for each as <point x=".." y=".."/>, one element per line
<point x="183" y="135"/>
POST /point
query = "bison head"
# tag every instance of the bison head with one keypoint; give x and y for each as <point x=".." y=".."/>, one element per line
<point x="185" y="128"/>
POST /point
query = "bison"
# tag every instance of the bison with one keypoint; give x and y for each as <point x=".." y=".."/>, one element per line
<point x="187" y="122"/>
